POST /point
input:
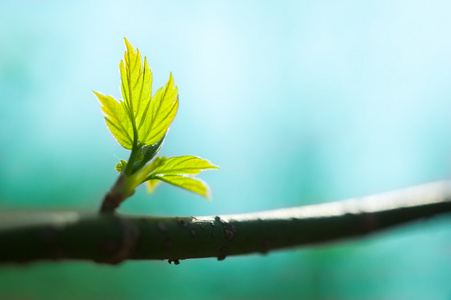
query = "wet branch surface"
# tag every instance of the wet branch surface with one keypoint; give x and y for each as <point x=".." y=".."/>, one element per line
<point x="111" y="239"/>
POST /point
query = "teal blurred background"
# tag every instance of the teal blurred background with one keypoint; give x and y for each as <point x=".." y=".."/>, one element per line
<point x="299" y="102"/>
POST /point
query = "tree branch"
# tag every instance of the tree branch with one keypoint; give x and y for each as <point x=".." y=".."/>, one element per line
<point x="109" y="238"/>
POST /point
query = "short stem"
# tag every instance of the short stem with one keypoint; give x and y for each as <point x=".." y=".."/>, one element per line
<point x="115" y="196"/>
<point x="141" y="165"/>
<point x="131" y="161"/>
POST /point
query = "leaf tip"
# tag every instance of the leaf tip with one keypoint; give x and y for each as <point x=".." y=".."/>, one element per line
<point x="129" y="46"/>
<point x="152" y="184"/>
<point x="127" y="43"/>
<point x="100" y="97"/>
<point x="207" y="192"/>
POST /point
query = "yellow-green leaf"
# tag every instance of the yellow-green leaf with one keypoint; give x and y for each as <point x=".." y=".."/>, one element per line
<point x="161" y="113"/>
<point x="150" y="116"/>
<point x="145" y="96"/>
<point x="117" y="120"/>
<point x="140" y="122"/>
<point x="136" y="83"/>
<point x="187" y="164"/>
<point x="195" y="185"/>
<point x="121" y="165"/>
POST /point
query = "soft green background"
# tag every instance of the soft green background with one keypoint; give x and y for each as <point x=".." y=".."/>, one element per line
<point x="299" y="102"/>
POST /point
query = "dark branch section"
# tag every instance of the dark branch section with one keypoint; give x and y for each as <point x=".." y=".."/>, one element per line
<point x="109" y="238"/>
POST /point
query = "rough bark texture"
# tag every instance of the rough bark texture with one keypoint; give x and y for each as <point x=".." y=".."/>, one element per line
<point x="109" y="238"/>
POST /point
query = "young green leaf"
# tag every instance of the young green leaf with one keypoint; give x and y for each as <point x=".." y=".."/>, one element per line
<point x="195" y="185"/>
<point x="140" y="122"/>
<point x="160" y="114"/>
<point x="136" y="83"/>
<point x="117" y="120"/>
<point x="174" y="171"/>
<point x="139" y="119"/>
<point x="121" y="165"/>
<point x="187" y="164"/>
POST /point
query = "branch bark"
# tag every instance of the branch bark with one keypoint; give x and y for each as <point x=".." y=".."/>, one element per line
<point x="111" y="239"/>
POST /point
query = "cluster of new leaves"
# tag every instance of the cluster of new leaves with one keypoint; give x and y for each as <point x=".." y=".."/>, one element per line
<point x="140" y="122"/>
